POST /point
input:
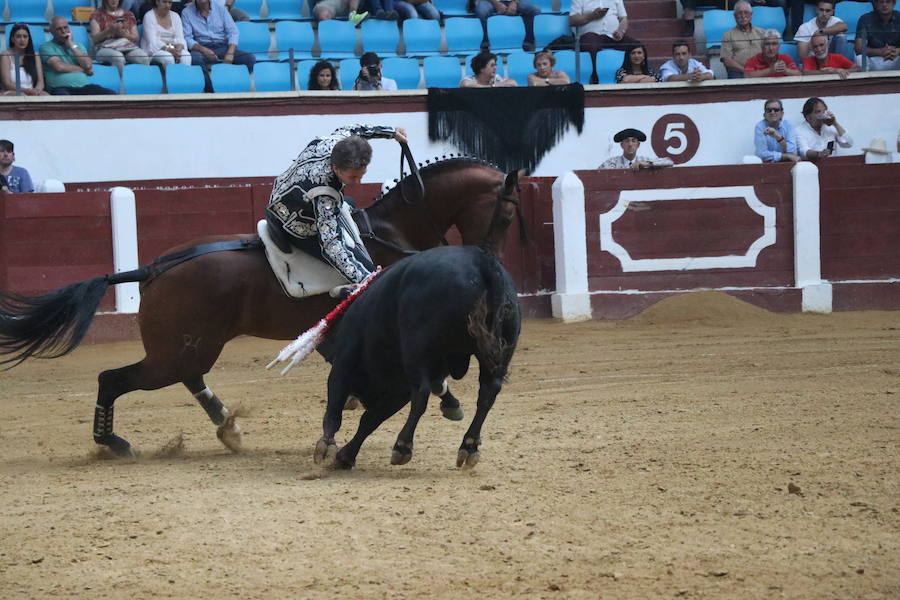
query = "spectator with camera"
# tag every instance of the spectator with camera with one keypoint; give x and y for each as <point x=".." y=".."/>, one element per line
<point x="114" y="34"/>
<point x="370" y="77"/>
<point x="820" y="133"/>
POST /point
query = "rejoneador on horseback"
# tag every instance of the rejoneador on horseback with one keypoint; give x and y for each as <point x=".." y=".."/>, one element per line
<point x="305" y="207"/>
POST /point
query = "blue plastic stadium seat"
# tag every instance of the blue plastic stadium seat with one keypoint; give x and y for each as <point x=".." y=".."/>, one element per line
<point x="715" y="23"/>
<point x="381" y="37"/>
<point x="63" y="8"/>
<point x="184" y="79"/>
<point x="422" y="37"/>
<point x="297" y="35"/>
<point x="791" y="50"/>
<point x="106" y="76"/>
<point x="442" y="71"/>
<point x="505" y="33"/>
<point x="850" y="12"/>
<point x="38" y="36"/>
<point x="519" y="65"/>
<point x="141" y="79"/>
<point x="255" y="39"/>
<point x="405" y="71"/>
<point x="337" y="39"/>
<point x="228" y="78"/>
<point x="284" y="10"/>
<point x="272" y="77"/>
<point x="463" y="35"/>
<point x="80" y="36"/>
<point x="253" y="8"/>
<point x="549" y="27"/>
<point x="608" y="62"/>
<point x="303" y="69"/>
<point x="27" y="11"/>
<point x="348" y="70"/>
<point x="767" y="17"/>
<point x="451" y="8"/>
<point x="565" y="61"/>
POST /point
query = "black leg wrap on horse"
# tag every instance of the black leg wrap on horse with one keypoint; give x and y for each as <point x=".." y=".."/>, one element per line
<point x="212" y="405"/>
<point x="103" y="432"/>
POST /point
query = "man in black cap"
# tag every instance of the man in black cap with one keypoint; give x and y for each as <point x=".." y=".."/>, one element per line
<point x="630" y="140"/>
<point x="370" y="75"/>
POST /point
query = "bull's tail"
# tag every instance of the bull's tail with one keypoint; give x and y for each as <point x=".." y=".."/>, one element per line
<point x="52" y="325"/>
<point x="494" y="321"/>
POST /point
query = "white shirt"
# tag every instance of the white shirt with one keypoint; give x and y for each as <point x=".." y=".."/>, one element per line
<point x="670" y="68"/>
<point x="808" y="139"/>
<point x="605" y="26"/>
<point x="806" y="31"/>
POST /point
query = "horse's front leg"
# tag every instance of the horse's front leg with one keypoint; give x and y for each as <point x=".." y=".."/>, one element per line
<point x="488" y="388"/>
<point x="403" y="447"/>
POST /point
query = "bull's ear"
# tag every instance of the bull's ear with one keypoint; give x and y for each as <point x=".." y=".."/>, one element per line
<point x="512" y="181"/>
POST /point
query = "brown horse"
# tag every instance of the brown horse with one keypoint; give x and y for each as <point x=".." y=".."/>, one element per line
<point x="189" y="311"/>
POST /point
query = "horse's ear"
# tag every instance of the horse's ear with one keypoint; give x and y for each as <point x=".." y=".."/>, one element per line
<point x="512" y="182"/>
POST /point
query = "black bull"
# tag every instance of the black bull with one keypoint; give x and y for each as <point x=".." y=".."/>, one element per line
<point x="418" y="322"/>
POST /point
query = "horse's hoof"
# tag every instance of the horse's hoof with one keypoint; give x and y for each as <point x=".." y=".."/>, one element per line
<point x="342" y="462"/>
<point x="119" y="447"/>
<point x="325" y="450"/>
<point x="352" y="403"/>
<point x="401" y="454"/>
<point x="230" y="434"/>
<point x="454" y="413"/>
<point x="466" y="459"/>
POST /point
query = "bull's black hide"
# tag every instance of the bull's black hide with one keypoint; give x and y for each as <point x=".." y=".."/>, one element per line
<point x="420" y="321"/>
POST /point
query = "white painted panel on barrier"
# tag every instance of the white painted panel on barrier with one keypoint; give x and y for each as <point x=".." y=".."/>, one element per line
<point x="123" y="213"/>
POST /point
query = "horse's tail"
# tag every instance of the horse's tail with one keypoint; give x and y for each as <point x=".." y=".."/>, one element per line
<point x="495" y="319"/>
<point x="52" y="325"/>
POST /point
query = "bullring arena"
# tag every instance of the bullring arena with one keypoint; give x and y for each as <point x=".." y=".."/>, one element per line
<point x="703" y="403"/>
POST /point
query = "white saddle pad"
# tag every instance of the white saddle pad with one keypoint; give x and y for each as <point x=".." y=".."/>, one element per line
<point x="299" y="274"/>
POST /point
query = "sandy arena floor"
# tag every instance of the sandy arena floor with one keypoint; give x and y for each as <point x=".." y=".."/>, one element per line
<point x="704" y="449"/>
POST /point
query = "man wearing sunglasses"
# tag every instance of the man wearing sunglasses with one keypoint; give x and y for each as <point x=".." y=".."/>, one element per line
<point x="775" y="138"/>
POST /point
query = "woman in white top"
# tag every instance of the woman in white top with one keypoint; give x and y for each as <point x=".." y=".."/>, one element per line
<point x="818" y="134"/>
<point x="31" y="75"/>
<point x="484" y="65"/>
<point x="164" y="36"/>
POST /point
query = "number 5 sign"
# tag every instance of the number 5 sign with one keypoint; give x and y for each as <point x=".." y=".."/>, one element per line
<point x="675" y="136"/>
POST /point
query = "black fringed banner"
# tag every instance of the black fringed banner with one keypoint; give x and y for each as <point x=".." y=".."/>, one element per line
<point x="510" y="127"/>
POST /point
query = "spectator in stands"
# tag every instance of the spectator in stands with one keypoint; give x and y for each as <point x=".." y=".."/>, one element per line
<point x="689" y="13"/>
<point x="684" y="68"/>
<point x="741" y="41"/>
<point x="774" y="137"/>
<point x="601" y="24"/>
<point x="484" y="67"/>
<point x="370" y="77"/>
<point x="770" y="62"/>
<point x="20" y="51"/>
<point x="822" y="62"/>
<point x="383" y="10"/>
<point x="329" y="9"/>
<point x="824" y="23"/>
<point x="177" y="5"/>
<point x="323" y="77"/>
<point x="488" y="8"/>
<point x="635" y="68"/>
<point x="67" y="65"/>
<point x="820" y="131"/>
<point x="212" y="37"/>
<point x="544" y="72"/>
<point x="114" y="34"/>
<point x="414" y="9"/>
<point x="878" y="37"/>
<point x="15" y="180"/>
<point x="630" y="140"/>
<point x="164" y="36"/>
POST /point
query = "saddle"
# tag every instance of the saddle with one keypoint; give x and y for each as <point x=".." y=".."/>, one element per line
<point x="299" y="274"/>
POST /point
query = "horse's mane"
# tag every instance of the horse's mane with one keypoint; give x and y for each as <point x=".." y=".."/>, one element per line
<point x="430" y="166"/>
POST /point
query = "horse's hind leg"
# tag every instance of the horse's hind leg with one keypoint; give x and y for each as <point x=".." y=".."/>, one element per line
<point x="228" y="431"/>
<point x="115" y="383"/>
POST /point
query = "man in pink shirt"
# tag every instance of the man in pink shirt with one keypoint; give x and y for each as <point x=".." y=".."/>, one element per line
<point x="769" y="62"/>
<point x="821" y="62"/>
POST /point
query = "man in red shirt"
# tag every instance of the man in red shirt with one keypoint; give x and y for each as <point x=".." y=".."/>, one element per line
<point x="769" y="62"/>
<point x="821" y="62"/>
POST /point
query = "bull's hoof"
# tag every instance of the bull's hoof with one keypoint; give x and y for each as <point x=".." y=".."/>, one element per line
<point x="119" y="447"/>
<point x="230" y="434"/>
<point x="325" y="450"/>
<point x="468" y="454"/>
<point x="352" y="403"/>
<point x="454" y="413"/>
<point x="402" y="453"/>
